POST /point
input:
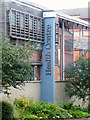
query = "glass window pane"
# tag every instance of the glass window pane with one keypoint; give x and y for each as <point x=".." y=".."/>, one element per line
<point x="13" y="18"/>
<point x="22" y="20"/>
<point x="39" y="26"/>
<point x="30" y="23"/>
<point x="18" y="18"/>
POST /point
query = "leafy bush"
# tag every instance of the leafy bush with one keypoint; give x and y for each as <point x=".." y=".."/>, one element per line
<point x="42" y="115"/>
<point x="79" y="114"/>
<point x="86" y="110"/>
<point x="7" y="110"/>
<point x="67" y="105"/>
<point x="28" y="117"/>
<point x="76" y="107"/>
<point x="22" y="102"/>
<point x="40" y="109"/>
<point x="70" y="106"/>
<point x="50" y="110"/>
<point x="21" y="105"/>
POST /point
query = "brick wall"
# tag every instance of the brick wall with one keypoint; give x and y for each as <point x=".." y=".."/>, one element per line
<point x="36" y="56"/>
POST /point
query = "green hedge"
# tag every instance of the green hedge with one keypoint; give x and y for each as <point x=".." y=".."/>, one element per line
<point x="7" y="110"/>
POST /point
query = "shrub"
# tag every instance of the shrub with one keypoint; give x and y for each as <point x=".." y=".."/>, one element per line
<point x="67" y="105"/>
<point x="28" y="117"/>
<point x="7" y="110"/>
<point x="86" y="110"/>
<point x="46" y="110"/>
<point x="76" y="107"/>
<point x="79" y="114"/>
<point x="42" y="115"/>
<point x="21" y="105"/>
<point x="70" y="106"/>
<point x="40" y="109"/>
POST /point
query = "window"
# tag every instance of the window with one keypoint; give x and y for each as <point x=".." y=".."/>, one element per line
<point x="18" y="18"/>
<point x="13" y="18"/>
<point x="35" y="24"/>
<point x="31" y="23"/>
<point x="22" y="20"/>
<point x="39" y="25"/>
<point x="36" y="72"/>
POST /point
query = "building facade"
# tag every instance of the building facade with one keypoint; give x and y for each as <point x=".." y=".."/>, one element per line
<point x="54" y="37"/>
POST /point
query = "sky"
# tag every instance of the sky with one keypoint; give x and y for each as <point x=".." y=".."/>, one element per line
<point x="61" y="4"/>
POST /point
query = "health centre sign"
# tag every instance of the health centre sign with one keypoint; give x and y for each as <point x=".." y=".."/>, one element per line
<point x="48" y="59"/>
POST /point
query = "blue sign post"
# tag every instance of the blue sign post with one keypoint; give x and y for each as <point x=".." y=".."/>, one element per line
<point x="48" y="59"/>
